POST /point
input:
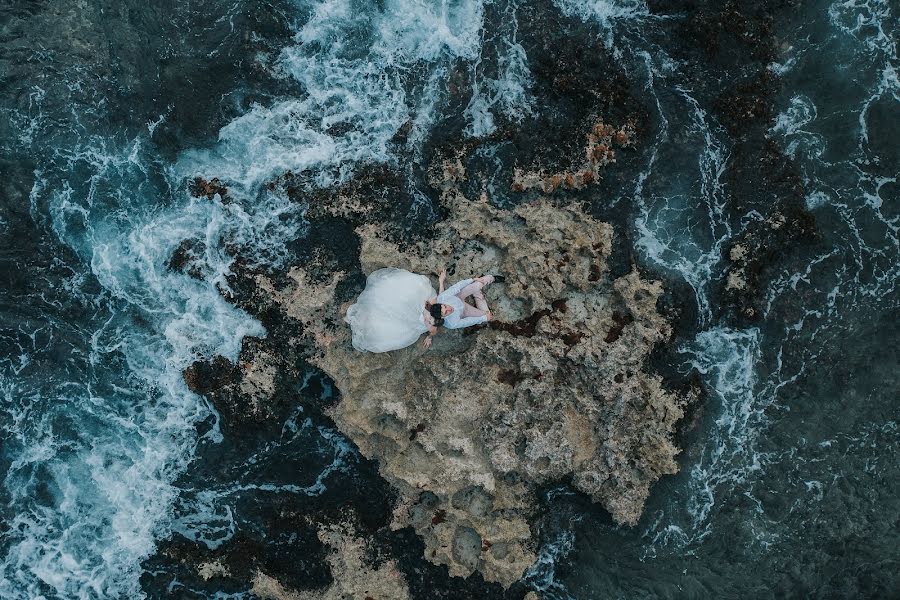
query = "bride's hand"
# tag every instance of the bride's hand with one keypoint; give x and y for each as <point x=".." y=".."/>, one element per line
<point x="443" y="275"/>
<point x="427" y="342"/>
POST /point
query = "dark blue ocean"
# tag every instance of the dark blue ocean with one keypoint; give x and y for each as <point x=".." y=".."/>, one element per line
<point x="789" y="479"/>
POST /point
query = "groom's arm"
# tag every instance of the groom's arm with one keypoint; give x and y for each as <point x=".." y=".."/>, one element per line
<point x="470" y="321"/>
<point x="441" y="278"/>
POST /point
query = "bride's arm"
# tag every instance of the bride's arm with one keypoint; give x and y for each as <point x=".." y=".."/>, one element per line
<point x="441" y="279"/>
<point x="432" y="331"/>
<point x="432" y="328"/>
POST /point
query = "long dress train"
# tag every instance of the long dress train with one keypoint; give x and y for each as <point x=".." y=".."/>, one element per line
<point x="388" y="313"/>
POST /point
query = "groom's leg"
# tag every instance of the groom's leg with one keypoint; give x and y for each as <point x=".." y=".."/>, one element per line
<point x="480" y="302"/>
<point x="471" y="311"/>
<point x="474" y="290"/>
<point x="475" y="287"/>
<point x="469" y="290"/>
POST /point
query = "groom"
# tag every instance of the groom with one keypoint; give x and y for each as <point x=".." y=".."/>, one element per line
<point x="450" y="310"/>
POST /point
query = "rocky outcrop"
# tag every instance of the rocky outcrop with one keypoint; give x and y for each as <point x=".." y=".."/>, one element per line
<point x="598" y="152"/>
<point x="354" y="575"/>
<point x="200" y="187"/>
<point x="556" y="388"/>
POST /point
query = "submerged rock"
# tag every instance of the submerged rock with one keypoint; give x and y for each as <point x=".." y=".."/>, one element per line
<point x="556" y="388"/>
<point x="200" y="187"/>
<point x="598" y="153"/>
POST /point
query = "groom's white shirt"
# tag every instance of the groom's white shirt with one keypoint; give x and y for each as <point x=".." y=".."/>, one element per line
<point x="456" y="320"/>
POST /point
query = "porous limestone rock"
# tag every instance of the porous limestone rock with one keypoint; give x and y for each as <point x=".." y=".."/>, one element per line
<point x="557" y="387"/>
<point x="354" y="575"/>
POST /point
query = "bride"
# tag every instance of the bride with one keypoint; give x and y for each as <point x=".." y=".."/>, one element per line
<point x="398" y="306"/>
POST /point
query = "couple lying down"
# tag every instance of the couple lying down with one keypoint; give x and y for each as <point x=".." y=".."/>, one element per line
<point x="398" y="306"/>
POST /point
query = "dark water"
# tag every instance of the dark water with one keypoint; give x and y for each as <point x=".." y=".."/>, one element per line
<point x="789" y="478"/>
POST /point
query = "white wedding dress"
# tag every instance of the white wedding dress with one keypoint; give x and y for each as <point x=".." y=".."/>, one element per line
<point x="389" y="313"/>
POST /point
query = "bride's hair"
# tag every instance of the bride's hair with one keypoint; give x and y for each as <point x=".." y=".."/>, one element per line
<point x="435" y="311"/>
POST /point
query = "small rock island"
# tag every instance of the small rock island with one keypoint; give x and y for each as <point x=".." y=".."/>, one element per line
<point x="557" y="388"/>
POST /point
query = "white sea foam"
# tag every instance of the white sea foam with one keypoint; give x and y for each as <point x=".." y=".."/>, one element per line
<point x="682" y="223"/>
<point x="792" y="125"/>
<point x="109" y="456"/>
<point x="353" y="66"/>
<point x="816" y="199"/>
<point x="728" y="360"/>
<point x="801" y="111"/>
<point x="868" y="21"/>
<point x="113" y="480"/>
<point x="783" y="67"/>
<point x="728" y="458"/>
<point x="606" y="13"/>
<point x="542" y="574"/>
<point x="509" y="92"/>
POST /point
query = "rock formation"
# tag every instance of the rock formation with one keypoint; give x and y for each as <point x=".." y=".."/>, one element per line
<point x="598" y="153"/>
<point x="556" y="388"/>
<point x="354" y="576"/>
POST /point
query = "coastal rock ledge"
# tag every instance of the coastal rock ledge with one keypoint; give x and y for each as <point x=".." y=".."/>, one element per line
<point x="556" y="388"/>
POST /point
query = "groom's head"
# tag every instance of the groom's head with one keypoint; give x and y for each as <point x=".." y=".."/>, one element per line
<point x="439" y="311"/>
